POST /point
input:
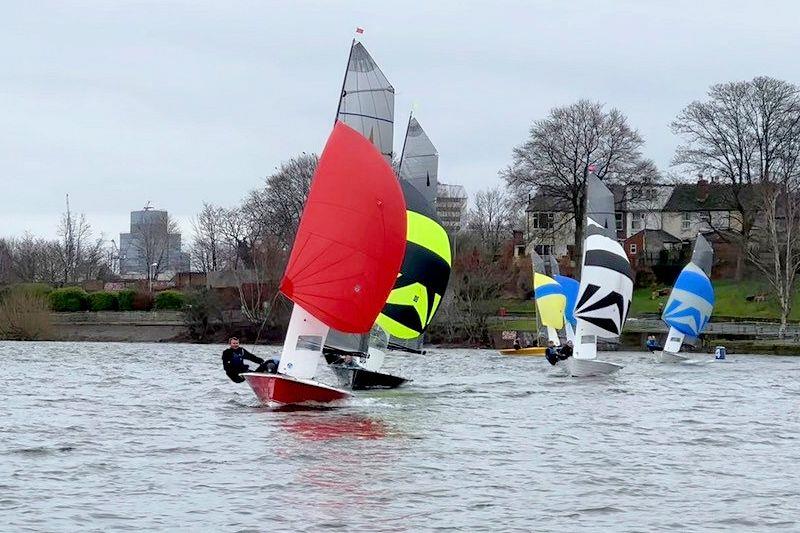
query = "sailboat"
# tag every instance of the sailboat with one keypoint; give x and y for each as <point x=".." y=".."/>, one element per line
<point x="606" y="285"/>
<point x="424" y="274"/>
<point x="690" y="303"/>
<point x="366" y="104"/>
<point x="343" y="264"/>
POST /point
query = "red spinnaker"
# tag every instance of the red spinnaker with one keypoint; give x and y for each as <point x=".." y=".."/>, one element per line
<point x="352" y="235"/>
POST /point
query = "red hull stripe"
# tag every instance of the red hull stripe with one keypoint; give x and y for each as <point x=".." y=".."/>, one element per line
<point x="273" y="389"/>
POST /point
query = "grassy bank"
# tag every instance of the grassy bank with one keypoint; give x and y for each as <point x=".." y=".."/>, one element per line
<point x="731" y="302"/>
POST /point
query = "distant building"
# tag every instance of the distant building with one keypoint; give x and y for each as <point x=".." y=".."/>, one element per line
<point x="151" y="240"/>
<point x="451" y="206"/>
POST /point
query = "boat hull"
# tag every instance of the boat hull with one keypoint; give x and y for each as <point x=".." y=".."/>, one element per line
<point x="355" y="378"/>
<point x="584" y="368"/>
<point x="532" y="351"/>
<point x="661" y="356"/>
<point x="276" y="390"/>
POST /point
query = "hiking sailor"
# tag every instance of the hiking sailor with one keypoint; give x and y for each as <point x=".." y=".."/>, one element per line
<point x="233" y="361"/>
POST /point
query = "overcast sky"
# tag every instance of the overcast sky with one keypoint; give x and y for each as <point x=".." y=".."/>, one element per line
<point x="119" y="103"/>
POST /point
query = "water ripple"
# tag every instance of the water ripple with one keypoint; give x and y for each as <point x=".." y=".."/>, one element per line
<point x="116" y="439"/>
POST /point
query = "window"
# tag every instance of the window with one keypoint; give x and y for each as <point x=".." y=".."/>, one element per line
<point x="633" y="248"/>
<point x="309" y="342"/>
<point x="542" y="220"/>
<point x="543" y="249"/>
<point x="686" y="223"/>
<point x="637" y="221"/>
<point x="520" y="250"/>
<point x="618" y="219"/>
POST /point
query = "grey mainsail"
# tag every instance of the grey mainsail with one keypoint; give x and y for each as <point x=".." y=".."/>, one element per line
<point x="600" y="206"/>
<point x="419" y="162"/>
<point x="366" y="103"/>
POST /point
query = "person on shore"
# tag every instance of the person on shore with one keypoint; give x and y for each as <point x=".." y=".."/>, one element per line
<point x="233" y="361"/>
<point x="551" y="353"/>
<point x="652" y="343"/>
<point x="565" y="352"/>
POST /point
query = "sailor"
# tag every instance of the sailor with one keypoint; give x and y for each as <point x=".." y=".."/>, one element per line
<point x="233" y="360"/>
<point x="517" y="343"/>
<point x="551" y="353"/>
<point x="565" y="352"/>
<point x="652" y="343"/>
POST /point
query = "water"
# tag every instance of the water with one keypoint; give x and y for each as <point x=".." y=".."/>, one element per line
<point x="99" y="437"/>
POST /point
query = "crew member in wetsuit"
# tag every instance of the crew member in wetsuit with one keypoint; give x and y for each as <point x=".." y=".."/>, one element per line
<point x="551" y="353"/>
<point x="652" y="343"/>
<point x="517" y="344"/>
<point x="233" y="361"/>
<point x="565" y="352"/>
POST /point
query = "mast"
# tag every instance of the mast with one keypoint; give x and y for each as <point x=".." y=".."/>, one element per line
<point x="344" y="80"/>
<point x="405" y="140"/>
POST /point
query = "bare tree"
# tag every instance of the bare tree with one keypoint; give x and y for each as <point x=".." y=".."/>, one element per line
<point x="276" y="209"/>
<point x="80" y="256"/>
<point x="775" y="247"/>
<point x="556" y="158"/>
<point x="207" y="248"/>
<point x="740" y="135"/>
<point x="492" y="218"/>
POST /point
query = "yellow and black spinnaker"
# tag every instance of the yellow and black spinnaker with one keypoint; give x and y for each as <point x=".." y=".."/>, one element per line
<point x="425" y="272"/>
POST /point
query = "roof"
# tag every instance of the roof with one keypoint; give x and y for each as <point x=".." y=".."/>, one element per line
<point x="657" y="234"/>
<point x="721" y="197"/>
<point x="545" y="201"/>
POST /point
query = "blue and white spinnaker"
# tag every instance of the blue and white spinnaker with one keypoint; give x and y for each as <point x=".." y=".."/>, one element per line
<point x="691" y="301"/>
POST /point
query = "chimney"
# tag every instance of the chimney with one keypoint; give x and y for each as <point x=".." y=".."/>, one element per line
<point x="702" y="190"/>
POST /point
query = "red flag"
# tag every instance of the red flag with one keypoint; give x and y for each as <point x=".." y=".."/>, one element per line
<point x="359" y="30"/>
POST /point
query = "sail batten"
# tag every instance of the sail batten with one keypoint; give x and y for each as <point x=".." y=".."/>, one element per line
<point x="366" y="102"/>
<point x="420" y="161"/>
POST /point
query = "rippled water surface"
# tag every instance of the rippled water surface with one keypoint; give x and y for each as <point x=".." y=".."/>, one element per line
<point x="99" y="437"/>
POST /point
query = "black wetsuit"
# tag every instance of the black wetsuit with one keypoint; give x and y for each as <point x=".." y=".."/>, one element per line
<point x="233" y="362"/>
<point x="565" y="353"/>
<point x="551" y="354"/>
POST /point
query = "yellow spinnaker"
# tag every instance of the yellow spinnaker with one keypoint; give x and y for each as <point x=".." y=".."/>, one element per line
<point x="550" y="300"/>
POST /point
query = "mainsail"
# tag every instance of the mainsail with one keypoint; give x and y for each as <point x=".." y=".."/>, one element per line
<point x="367" y="100"/>
<point x="691" y="301"/>
<point x="348" y="249"/>
<point x="550" y="299"/>
<point x="419" y="161"/>
<point x="606" y="285"/>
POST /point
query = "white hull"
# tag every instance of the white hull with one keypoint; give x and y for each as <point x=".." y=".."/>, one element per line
<point x="584" y="368"/>
<point x="668" y="357"/>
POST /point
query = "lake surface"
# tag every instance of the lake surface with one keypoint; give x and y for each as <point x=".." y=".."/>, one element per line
<point x="99" y="437"/>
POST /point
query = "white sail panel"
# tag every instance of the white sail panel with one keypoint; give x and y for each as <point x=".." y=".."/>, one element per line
<point x="419" y="164"/>
<point x="367" y="100"/>
<point x="303" y="345"/>
<point x="606" y="286"/>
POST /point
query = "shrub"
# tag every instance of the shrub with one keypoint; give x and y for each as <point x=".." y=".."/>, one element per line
<point x="103" y="301"/>
<point x="69" y="299"/>
<point x="24" y="315"/>
<point x="142" y="301"/>
<point x="170" y="300"/>
<point x="125" y="299"/>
